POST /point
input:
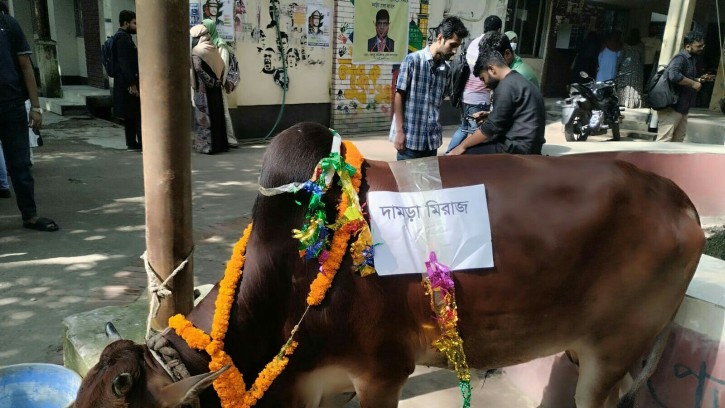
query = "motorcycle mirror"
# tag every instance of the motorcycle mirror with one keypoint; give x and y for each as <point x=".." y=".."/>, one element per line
<point x="583" y="74"/>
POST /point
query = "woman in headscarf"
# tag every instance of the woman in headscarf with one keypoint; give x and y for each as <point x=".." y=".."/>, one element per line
<point x="210" y="135"/>
<point x="231" y="75"/>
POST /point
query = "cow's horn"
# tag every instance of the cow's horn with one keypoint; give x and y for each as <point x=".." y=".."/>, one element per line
<point x="112" y="333"/>
<point x="186" y="391"/>
<point x="122" y="384"/>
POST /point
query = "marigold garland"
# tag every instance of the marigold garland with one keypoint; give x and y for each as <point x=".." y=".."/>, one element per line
<point x="230" y="385"/>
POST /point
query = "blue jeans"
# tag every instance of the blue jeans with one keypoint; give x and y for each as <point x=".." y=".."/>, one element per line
<point x="408" y="154"/>
<point x="16" y="149"/>
<point x="3" y="171"/>
<point x="468" y="126"/>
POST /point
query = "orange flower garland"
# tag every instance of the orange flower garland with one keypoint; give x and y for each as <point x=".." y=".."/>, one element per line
<point x="230" y="385"/>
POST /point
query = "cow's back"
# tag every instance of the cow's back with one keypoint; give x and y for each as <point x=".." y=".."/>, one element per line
<point x="581" y="247"/>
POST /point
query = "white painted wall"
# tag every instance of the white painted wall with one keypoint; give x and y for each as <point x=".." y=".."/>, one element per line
<point x="472" y="12"/>
<point x="62" y="30"/>
<point x="310" y="80"/>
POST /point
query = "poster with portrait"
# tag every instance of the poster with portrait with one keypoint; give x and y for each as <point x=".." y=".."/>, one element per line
<point x="381" y="31"/>
<point x="222" y="12"/>
<point x="194" y="13"/>
<point x="319" y="25"/>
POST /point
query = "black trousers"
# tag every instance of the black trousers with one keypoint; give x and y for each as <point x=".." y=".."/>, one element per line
<point x="132" y="122"/>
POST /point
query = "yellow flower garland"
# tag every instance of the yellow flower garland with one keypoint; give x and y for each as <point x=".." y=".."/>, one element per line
<point x="230" y="385"/>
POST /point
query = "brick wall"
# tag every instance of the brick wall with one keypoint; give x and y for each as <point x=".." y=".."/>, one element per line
<point x="92" y="40"/>
<point x="361" y="93"/>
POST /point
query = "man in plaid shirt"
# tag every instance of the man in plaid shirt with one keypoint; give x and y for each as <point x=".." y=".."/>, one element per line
<point x="416" y="131"/>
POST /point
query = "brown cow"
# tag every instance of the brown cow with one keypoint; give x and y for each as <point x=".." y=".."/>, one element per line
<point x="592" y="256"/>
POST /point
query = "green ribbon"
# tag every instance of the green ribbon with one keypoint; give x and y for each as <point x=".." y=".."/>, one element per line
<point x="465" y="387"/>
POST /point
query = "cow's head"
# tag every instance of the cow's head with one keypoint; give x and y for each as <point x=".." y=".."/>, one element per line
<point x="127" y="376"/>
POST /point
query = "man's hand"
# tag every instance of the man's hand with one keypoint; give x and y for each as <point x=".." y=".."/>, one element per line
<point x="399" y="141"/>
<point x="35" y="121"/>
<point x="458" y="150"/>
<point x="697" y="86"/>
<point x="481" y="116"/>
<point x="707" y="78"/>
<point x="133" y="90"/>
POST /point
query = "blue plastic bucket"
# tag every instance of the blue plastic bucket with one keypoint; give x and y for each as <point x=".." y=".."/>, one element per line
<point x="38" y="386"/>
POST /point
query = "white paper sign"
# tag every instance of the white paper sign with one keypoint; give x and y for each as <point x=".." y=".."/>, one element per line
<point x="452" y="222"/>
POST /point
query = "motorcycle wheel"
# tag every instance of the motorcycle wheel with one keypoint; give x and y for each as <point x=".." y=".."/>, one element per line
<point x="569" y="133"/>
<point x="615" y="132"/>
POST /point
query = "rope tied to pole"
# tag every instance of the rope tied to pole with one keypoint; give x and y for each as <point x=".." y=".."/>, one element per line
<point x="159" y="290"/>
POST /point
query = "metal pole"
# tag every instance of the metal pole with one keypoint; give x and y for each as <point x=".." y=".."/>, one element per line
<point x="164" y="62"/>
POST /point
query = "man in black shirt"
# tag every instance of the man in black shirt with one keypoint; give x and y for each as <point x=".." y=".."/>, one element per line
<point x="672" y="122"/>
<point x="126" y="98"/>
<point x="516" y="122"/>
<point x="17" y="84"/>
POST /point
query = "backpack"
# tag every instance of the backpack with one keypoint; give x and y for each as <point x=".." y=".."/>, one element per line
<point x="661" y="93"/>
<point x="107" y="56"/>
<point x="460" y="71"/>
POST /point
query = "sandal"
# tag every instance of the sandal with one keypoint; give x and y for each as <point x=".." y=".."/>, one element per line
<point x="42" y="224"/>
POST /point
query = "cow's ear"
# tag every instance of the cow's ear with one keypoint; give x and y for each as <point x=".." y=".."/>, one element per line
<point x="187" y="390"/>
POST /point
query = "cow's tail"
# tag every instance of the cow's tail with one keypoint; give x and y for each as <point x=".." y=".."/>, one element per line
<point x="653" y="359"/>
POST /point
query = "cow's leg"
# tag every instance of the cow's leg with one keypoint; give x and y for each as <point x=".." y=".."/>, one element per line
<point x="598" y="378"/>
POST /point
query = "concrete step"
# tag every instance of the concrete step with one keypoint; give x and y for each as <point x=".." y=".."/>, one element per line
<point x="78" y="100"/>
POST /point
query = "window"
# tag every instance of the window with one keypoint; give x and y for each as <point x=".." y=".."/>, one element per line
<point x="527" y="19"/>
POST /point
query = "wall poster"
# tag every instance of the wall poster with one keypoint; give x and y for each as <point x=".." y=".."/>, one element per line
<point x="381" y="31"/>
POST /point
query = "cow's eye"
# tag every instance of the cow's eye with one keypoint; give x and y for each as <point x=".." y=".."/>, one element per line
<point x="122" y="384"/>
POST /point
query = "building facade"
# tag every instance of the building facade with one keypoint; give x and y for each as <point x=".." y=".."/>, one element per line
<point x="315" y="77"/>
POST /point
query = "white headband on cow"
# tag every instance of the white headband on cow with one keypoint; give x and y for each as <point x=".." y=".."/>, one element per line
<point x="294" y="187"/>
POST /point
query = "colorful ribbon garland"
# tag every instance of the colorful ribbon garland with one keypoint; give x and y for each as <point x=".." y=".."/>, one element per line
<point x="441" y="288"/>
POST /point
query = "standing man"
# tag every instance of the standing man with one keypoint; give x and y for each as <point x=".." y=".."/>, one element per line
<point x="381" y="42"/>
<point x="681" y="71"/>
<point x="516" y="123"/>
<point x="501" y="43"/>
<point x="126" y="97"/>
<point x="515" y="61"/>
<point x="476" y="96"/>
<point x="416" y="131"/>
<point x="17" y="84"/>
<point x="652" y="47"/>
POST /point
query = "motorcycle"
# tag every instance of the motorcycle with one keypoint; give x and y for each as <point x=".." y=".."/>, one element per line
<point x="592" y="108"/>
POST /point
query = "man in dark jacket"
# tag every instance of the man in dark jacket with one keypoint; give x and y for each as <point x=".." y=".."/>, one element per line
<point x="516" y="122"/>
<point x="672" y="125"/>
<point x="17" y="84"/>
<point x="126" y="100"/>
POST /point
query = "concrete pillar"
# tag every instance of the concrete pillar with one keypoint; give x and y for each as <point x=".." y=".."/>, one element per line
<point x="47" y="55"/>
<point x="679" y="20"/>
<point x="47" y="52"/>
<point x="718" y="91"/>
